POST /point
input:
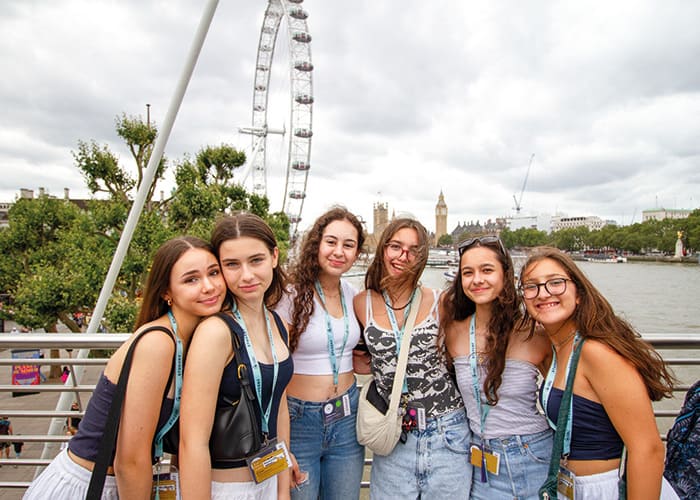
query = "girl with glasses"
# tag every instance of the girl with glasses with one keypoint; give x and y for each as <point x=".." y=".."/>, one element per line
<point x="618" y="376"/>
<point x="497" y="365"/>
<point x="322" y="396"/>
<point x="430" y="460"/>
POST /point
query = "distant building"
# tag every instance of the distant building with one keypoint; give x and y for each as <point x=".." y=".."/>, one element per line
<point x="665" y="213"/>
<point x="440" y="218"/>
<point x="28" y="194"/>
<point x="381" y="218"/>
<point x="592" y="222"/>
<point x="542" y="222"/>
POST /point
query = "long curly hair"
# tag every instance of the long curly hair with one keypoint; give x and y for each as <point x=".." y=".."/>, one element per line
<point x="506" y="315"/>
<point x="595" y="319"/>
<point x="305" y="270"/>
<point x="377" y="277"/>
<point x="244" y="224"/>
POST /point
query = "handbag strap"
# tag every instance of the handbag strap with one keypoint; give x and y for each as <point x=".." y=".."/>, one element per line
<point x="562" y="421"/>
<point x="241" y="367"/>
<point x="109" y="435"/>
<point x="403" y="354"/>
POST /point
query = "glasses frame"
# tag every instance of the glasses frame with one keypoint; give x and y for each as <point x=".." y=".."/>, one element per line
<point x="544" y="284"/>
<point x="489" y="238"/>
<point x="410" y="251"/>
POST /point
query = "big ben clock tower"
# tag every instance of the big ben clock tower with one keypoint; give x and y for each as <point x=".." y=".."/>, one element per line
<point x="440" y="218"/>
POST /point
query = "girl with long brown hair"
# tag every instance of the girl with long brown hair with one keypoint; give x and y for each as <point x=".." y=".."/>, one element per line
<point x="322" y="396"/>
<point x="497" y="365"/>
<point x="431" y="459"/>
<point x="617" y="378"/>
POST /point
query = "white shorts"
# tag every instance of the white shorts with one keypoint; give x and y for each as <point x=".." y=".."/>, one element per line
<point x="267" y="490"/>
<point x="63" y="479"/>
<point x="604" y="486"/>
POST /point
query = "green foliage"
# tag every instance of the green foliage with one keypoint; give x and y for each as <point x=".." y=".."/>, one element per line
<point x="120" y="314"/>
<point x="445" y="240"/>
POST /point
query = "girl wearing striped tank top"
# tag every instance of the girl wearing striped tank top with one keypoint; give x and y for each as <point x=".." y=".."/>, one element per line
<point x="497" y="366"/>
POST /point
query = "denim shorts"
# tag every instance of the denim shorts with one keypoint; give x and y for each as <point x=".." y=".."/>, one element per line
<point x="329" y="453"/>
<point x="523" y="467"/>
<point x="433" y="463"/>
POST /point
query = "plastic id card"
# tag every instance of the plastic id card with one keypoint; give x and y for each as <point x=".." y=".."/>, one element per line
<point x="270" y="461"/>
<point x="166" y="485"/>
<point x="565" y="483"/>
<point x="493" y="459"/>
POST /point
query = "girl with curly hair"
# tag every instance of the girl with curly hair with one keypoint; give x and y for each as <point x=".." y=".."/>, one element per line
<point x="617" y="378"/>
<point x="497" y="365"/>
<point x="322" y="396"/>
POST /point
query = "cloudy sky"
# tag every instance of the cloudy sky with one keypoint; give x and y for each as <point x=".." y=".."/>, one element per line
<point x="411" y="98"/>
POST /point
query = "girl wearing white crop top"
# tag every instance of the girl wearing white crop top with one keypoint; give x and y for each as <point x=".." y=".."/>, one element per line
<point x="497" y="365"/>
<point x="322" y="396"/>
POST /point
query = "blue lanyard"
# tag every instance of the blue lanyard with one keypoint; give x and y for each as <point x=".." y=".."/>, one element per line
<point x="257" y="375"/>
<point x="329" y="331"/>
<point x="483" y="412"/>
<point x="547" y="389"/>
<point x="175" y="413"/>
<point x="398" y="332"/>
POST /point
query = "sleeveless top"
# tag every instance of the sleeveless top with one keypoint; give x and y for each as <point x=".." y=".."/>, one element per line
<point x="516" y="412"/>
<point x="230" y="387"/>
<point x="311" y="355"/>
<point x="429" y="382"/>
<point x="593" y="436"/>
<point x="86" y="442"/>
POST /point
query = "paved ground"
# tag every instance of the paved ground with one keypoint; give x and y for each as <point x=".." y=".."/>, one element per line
<point x="41" y="401"/>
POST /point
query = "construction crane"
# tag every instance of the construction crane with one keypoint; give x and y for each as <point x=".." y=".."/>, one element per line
<point x="519" y="199"/>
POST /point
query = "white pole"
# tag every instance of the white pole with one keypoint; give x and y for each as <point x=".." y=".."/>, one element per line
<point x="64" y="401"/>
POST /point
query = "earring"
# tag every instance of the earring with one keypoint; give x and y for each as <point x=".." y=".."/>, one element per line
<point x="170" y="302"/>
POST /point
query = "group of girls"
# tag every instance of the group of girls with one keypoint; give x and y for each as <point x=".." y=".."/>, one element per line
<point x="472" y="428"/>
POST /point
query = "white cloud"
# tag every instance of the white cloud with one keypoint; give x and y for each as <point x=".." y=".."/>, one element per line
<point x="410" y="99"/>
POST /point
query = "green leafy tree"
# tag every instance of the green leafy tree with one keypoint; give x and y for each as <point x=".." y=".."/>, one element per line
<point x="445" y="240"/>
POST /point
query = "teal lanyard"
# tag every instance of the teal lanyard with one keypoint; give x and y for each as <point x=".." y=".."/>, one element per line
<point x="483" y="412"/>
<point x="175" y="414"/>
<point x="398" y="332"/>
<point x="257" y="375"/>
<point x="329" y="332"/>
<point x="547" y="389"/>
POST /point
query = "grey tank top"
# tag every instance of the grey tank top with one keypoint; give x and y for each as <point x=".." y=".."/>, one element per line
<point x="516" y="412"/>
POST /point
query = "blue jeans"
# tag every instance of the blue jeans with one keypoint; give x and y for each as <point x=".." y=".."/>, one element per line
<point x="523" y="469"/>
<point x="432" y="464"/>
<point x="329" y="453"/>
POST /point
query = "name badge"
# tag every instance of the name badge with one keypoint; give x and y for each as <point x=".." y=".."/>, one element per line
<point x="270" y="461"/>
<point x="565" y="483"/>
<point x="336" y="408"/>
<point x="166" y="485"/>
<point x="491" y="458"/>
<point x="414" y="418"/>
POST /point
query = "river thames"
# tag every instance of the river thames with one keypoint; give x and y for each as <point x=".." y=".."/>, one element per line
<point x="654" y="297"/>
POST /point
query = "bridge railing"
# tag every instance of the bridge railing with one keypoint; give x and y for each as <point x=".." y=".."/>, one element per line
<point x="35" y="412"/>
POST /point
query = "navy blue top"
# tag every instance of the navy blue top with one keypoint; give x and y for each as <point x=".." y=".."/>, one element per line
<point x="593" y="436"/>
<point x="86" y="442"/>
<point x="231" y="388"/>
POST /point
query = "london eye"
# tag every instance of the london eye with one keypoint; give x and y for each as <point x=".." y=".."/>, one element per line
<point x="301" y="105"/>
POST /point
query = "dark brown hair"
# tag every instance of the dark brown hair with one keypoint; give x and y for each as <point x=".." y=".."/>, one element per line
<point x="306" y="269"/>
<point x="378" y="279"/>
<point x="595" y="319"/>
<point x="153" y="305"/>
<point x="232" y="227"/>
<point x="505" y="316"/>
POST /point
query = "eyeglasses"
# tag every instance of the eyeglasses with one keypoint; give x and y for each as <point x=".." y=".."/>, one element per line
<point x="490" y="239"/>
<point x="554" y="287"/>
<point x="395" y="250"/>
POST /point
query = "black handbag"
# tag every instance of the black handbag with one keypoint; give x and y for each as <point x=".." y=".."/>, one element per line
<point x="236" y="432"/>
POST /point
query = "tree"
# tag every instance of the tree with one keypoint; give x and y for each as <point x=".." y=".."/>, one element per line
<point x="445" y="240"/>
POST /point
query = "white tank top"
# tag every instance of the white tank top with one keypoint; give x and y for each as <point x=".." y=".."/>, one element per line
<point x="311" y="356"/>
